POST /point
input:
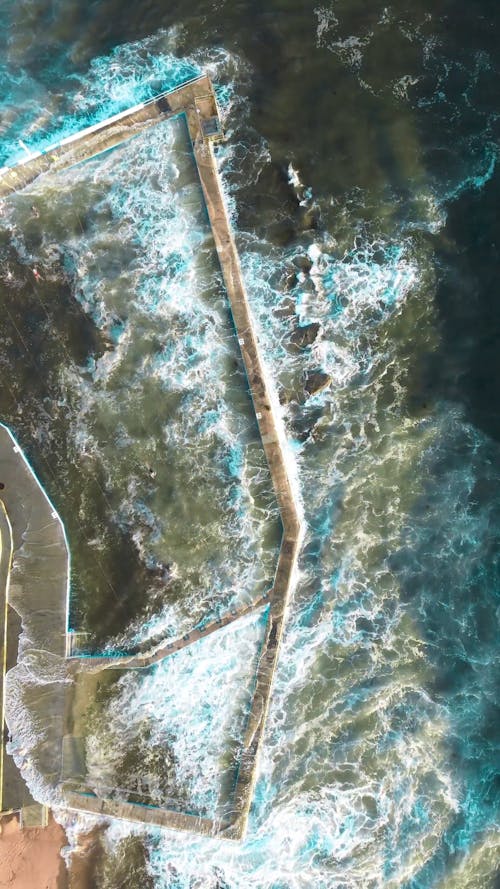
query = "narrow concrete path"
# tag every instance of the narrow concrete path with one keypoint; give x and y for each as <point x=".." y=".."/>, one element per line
<point x="39" y="574"/>
<point x="272" y="436"/>
<point x="5" y="562"/>
<point x="34" y="567"/>
<point x="95" y="139"/>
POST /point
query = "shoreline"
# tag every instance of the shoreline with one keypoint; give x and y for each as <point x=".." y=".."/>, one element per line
<point x="32" y="856"/>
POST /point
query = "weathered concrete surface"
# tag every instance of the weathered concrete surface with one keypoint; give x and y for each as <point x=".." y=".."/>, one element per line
<point x="102" y="136"/>
<point x="164" y="649"/>
<point x="5" y="561"/>
<point x="271" y="436"/>
<point x="145" y="814"/>
<point x="39" y="575"/>
<point x="247" y="773"/>
<point x="197" y="101"/>
<point x="34" y="569"/>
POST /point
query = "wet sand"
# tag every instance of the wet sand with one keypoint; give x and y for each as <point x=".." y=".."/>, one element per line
<point x="85" y="860"/>
<point x="30" y="859"/>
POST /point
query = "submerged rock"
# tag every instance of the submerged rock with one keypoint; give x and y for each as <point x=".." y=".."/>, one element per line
<point x="286" y="308"/>
<point x="305" y="335"/>
<point x="310" y="218"/>
<point x="282" y="232"/>
<point x="303" y="263"/>
<point x="303" y="421"/>
<point x="315" y="381"/>
<point x="285" y="397"/>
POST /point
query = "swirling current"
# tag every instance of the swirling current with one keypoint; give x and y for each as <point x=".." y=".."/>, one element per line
<point x="360" y="170"/>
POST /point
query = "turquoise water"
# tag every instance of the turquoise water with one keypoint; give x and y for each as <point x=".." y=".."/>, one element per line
<point x="360" y="169"/>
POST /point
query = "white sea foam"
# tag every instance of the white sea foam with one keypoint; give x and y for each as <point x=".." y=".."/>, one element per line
<point x="197" y="702"/>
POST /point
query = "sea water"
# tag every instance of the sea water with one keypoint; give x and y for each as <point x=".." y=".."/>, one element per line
<point x="360" y="171"/>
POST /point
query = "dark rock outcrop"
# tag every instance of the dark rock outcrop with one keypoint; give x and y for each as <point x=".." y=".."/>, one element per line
<point x="305" y="335"/>
<point x="315" y="381"/>
<point x="285" y="309"/>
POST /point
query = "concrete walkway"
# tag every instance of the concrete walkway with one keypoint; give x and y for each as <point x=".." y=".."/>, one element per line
<point x="34" y="566"/>
<point x="196" y="100"/>
<point x="5" y="563"/>
<point x="39" y="575"/>
<point x="272" y="440"/>
<point x="166" y="648"/>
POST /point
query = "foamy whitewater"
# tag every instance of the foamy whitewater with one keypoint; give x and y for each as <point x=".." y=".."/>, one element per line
<point x="375" y="769"/>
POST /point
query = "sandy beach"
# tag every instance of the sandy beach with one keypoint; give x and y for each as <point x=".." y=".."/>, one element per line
<point x="30" y="859"/>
